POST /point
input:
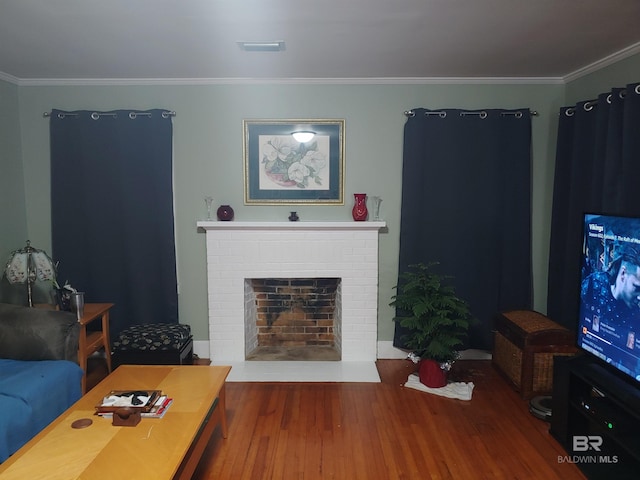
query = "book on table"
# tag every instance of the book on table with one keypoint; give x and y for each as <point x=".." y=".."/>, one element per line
<point x="150" y="403"/>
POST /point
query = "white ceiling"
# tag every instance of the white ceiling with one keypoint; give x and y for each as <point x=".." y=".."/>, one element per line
<point x="330" y="39"/>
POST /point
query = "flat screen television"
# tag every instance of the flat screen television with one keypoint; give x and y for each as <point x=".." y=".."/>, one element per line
<point x="609" y="321"/>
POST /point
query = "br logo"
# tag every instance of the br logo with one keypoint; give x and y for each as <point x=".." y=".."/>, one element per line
<point x="584" y="443"/>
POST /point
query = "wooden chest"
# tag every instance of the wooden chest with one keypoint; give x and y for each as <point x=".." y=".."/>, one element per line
<point x="525" y="343"/>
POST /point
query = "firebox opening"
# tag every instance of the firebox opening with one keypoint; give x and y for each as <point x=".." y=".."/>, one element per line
<point x="293" y="319"/>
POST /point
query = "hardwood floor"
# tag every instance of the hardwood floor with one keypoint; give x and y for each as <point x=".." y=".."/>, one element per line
<point x="368" y="431"/>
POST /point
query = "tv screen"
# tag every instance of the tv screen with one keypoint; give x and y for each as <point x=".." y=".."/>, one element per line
<point x="609" y="323"/>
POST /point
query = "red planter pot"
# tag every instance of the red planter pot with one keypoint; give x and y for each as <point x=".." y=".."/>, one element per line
<point x="431" y="374"/>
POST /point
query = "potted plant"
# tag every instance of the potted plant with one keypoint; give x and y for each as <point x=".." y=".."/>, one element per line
<point x="437" y="320"/>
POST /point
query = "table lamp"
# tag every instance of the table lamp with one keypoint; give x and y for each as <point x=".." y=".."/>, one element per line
<point x="28" y="264"/>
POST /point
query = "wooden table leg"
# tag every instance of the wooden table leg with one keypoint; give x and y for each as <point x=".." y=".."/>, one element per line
<point x="105" y="339"/>
<point x="82" y="356"/>
<point x="223" y="410"/>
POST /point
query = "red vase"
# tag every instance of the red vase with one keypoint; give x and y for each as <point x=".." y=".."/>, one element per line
<point x="225" y="213"/>
<point x="359" y="211"/>
<point x="431" y="374"/>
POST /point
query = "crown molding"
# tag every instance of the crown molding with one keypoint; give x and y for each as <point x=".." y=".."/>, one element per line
<point x="50" y="82"/>
<point x="593" y="67"/>
<point x="9" y="78"/>
<point x="603" y="62"/>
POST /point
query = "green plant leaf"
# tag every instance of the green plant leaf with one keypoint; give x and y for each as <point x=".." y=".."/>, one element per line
<point x="428" y="306"/>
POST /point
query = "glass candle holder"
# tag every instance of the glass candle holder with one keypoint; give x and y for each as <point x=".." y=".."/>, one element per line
<point x="376" y="201"/>
<point x="208" y="202"/>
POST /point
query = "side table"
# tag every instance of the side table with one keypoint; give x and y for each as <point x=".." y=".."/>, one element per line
<point x="94" y="340"/>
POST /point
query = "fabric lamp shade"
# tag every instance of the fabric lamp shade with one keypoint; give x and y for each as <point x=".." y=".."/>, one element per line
<point x="27" y="265"/>
<point x="16" y="270"/>
<point x="44" y="267"/>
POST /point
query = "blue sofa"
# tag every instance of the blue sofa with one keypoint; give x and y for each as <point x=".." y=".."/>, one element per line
<point x="39" y="373"/>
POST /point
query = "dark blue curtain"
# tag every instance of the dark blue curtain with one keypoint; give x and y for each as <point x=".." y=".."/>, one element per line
<point x="466" y="203"/>
<point x="112" y="211"/>
<point x="597" y="170"/>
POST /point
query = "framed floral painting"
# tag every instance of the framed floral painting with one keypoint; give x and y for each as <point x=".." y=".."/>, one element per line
<point x="279" y="169"/>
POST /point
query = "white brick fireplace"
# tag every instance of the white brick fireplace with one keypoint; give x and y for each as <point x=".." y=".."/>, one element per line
<point x="237" y="251"/>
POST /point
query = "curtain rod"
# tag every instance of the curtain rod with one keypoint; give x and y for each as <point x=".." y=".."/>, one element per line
<point x="97" y="115"/>
<point x="482" y="114"/>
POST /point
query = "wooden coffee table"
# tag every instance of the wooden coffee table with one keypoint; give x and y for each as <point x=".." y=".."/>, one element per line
<point x="158" y="448"/>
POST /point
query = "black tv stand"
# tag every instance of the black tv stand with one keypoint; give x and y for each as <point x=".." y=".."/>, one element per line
<point x="596" y="418"/>
<point x="626" y="394"/>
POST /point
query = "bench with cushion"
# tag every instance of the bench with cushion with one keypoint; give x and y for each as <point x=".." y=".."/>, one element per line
<point x="154" y="344"/>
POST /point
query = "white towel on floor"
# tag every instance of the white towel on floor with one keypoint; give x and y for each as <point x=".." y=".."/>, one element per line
<point x="459" y="390"/>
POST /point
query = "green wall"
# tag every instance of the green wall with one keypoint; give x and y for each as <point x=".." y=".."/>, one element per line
<point x="208" y="157"/>
<point x="13" y="220"/>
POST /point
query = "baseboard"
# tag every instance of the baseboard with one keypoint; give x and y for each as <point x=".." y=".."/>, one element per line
<point x="201" y="348"/>
<point x="473" y="354"/>
<point x="386" y="350"/>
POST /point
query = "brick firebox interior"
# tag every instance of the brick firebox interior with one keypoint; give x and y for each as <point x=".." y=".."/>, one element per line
<point x="296" y="312"/>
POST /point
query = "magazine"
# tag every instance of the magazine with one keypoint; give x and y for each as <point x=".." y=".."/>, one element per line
<point x="158" y="409"/>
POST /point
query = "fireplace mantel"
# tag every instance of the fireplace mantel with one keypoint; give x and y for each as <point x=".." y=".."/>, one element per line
<point x="233" y="225"/>
<point x="238" y="251"/>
